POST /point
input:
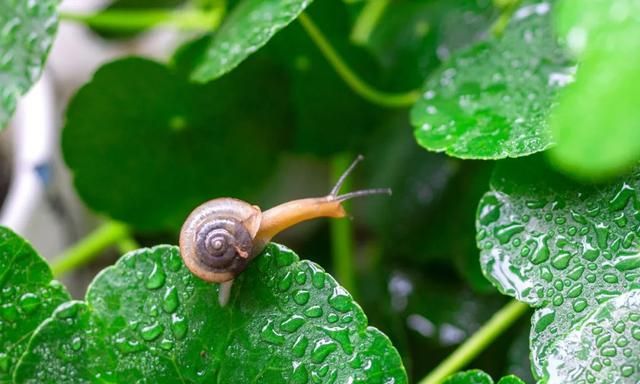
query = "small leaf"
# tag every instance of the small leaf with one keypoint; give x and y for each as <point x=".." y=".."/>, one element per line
<point x="478" y="377"/>
<point x="27" y="28"/>
<point x="251" y="24"/>
<point x="603" y="348"/>
<point x="493" y="100"/>
<point x="560" y="246"/>
<point x="146" y="146"/>
<point x="597" y="122"/>
<point x="29" y="296"/>
<point x="148" y="316"/>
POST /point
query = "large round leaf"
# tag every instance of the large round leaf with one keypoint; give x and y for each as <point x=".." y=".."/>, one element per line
<point x="478" y="377"/>
<point x="562" y="247"/>
<point x="29" y="296"/>
<point x="27" y="29"/>
<point x="251" y="24"/>
<point x="145" y="146"/>
<point x="492" y="101"/>
<point x="148" y="316"/>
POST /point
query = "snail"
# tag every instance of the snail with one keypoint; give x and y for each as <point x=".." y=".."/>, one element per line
<point x="220" y="237"/>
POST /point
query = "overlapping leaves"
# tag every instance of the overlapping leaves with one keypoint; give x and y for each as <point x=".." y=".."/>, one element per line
<point x="567" y="249"/>
<point x="493" y="100"/>
<point x="479" y="377"/>
<point x="28" y="296"/>
<point x="148" y="316"/>
<point x="27" y="29"/>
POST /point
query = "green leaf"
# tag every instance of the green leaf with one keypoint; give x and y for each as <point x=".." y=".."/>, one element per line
<point x="597" y="122"/>
<point x="478" y="377"/>
<point x="27" y="28"/>
<point x="603" y="348"/>
<point x="145" y="146"/>
<point x="29" y="296"/>
<point x="148" y="316"/>
<point x="560" y="246"/>
<point x="249" y="26"/>
<point x="493" y="100"/>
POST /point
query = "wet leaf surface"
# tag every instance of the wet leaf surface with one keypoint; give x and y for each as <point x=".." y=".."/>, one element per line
<point x="493" y="100"/>
<point x="479" y="377"/>
<point x="148" y="316"/>
<point x="28" y="296"/>
<point x="27" y="28"/>
<point x="562" y="247"/>
<point x="248" y="27"/>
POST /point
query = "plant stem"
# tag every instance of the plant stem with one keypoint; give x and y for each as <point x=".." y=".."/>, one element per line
<point x="188" y="19"/>
<point x="341" y="233"/>
<point x="127" y="244"/>
<point x="367" y="20"/>
<point x="500" y="321"/>
<point x="88" y="248"/>
<point x="508" y="7"/>
<point x="371" y="94"/>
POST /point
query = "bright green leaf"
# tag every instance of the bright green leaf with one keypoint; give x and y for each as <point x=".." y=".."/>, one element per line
<point x="251" y="24"/>
<point x="27" y="28"/>
<point x="603" y="348"/>
<point x="29" y="296"/>
<point x="493" y="100"/>
<point x="145" y="146"/>
<point x="597" y="122"/>
<point x="148" y="316"/>
<point x="478" y="377"/>
<point x="560" y="246"/>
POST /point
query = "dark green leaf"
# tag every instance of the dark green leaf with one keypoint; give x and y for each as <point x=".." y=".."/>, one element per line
<point x="251" y="24"/>
<point x="478" y="377"/>
<point x="146" y="146"/>
<point x="562" y="247"/>
<point x="148" y="316"/>
<point x="29" y="296"/>
<point x="27" y="30"/>
<point x="597" y="122"/>
<point x="493" y="100"/>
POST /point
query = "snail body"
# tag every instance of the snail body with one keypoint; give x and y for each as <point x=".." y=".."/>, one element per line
<point x="221" y="237"/>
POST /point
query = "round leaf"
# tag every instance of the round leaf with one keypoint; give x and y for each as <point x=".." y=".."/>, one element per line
<point x="148" y="316"/>
<point x="28" y="28"/>
<point x="251" y="24"/>
<point x="493" y="100"/>
<point x="29" y="296"/>
<point x="478" y="377"/>
<point x="603" y="348"/>
<point x="557" y="245"/>
<point x="145" y="146"/>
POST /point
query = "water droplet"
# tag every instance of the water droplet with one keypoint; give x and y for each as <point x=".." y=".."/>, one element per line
<point x="29" y="302"/>
<point x="313" y="311"/>
<point x="627" y="370"/>
<point x="285" y="283"/>
<point x="627" y="262"/>
<point x="152" y="331"/>
<point x="178" y="326"/>
<point x="547" y="316"/>
<point x="621" y="198"/>
<point x="506" y="232"/>
<point x="575" y="291"/>
<point x="166" y="344"/>
<point x="156" y="277"/>
<point x="284" y="259"/>
<point x="635" y="332"/>
<point x="560" y="260"/>
<point x="300" y="374"/>
<point x="170" y="301"/>
<point x="340" y="300"/>
<point x="67" y="311"/>
<point x="608" y="351"/>
<point x="175" y="262"/>
<point x="269" y="334"/>
<point x="292" y="324"/>
<point x="300" y="346"/>
<point x="341" y="336"/>
<point x="76" y="343"/>
<point x="321" y="350"/>
<point x="301" y="297"/>
<point x="610" y="278"/>
<point x="318" y="277"/>
<point x="541" y="253"/>
<point x="9" y="312"/>
<point x="602" y="235"/>
<point x="579" y="305"/>
<point x="489" y="210"/>
<point x="301" y="277"/>
<point x="575" y="273"/>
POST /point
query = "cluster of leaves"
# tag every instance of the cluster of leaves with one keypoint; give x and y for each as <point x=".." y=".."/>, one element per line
<point x="559" y="77"/>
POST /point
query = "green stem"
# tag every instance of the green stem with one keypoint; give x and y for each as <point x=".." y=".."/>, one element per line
<point x="88" y="248"/>
<point x="373" y="95"/>
<point x="367" y="20"/>
<point x="127" y="244"/>
<point x="188" y="19"/>
<point x="508" y="7"/>
<point x="341" y="233"/>
<point x="500" y="321"/>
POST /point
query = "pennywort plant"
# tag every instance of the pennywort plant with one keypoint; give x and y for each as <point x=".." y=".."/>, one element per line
<point x="508" y="131"/>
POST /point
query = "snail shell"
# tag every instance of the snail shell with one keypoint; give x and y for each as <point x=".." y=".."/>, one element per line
<point x="217" y="239"/>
